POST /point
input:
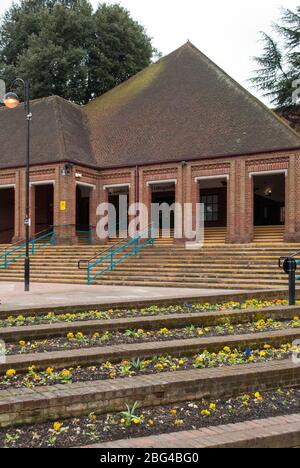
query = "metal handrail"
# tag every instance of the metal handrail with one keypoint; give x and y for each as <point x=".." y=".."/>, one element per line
<point x="100" y="253"/>
<point x="22" y="241"/>
<point x="87" y="230"/>
<point x="108" y="253"/>
<point x="295" y="254"/>
<point x="18" y="246"/>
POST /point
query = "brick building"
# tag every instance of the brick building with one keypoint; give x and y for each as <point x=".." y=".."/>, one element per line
<point x="181" y="130"/>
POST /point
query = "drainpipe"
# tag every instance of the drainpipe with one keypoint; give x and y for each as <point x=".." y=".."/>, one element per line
<point x="137" y="183"/>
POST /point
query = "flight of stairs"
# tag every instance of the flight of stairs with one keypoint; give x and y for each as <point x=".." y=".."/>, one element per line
<point x="247" y="266"/>
<point x="265" y="234"/>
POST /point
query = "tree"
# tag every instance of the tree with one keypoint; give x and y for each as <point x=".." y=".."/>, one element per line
<point x="65" y="48"/>
<point x="279" y="65"/>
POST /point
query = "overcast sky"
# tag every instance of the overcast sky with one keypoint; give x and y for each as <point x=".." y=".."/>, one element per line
<point x="226" y="31"/>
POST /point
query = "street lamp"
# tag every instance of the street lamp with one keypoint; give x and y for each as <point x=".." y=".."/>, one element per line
<point x="11" y="100"/>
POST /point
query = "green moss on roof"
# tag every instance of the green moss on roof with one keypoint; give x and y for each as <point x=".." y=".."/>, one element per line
<point x="125" y="92"/>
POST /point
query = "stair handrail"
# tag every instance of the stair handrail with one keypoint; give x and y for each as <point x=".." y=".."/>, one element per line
<point x="85" y="230"/>
<point x="293" y="255"/>
<point x="101" y="252"/>
<point x="20" y="245"/>
<point x="22" y="241"/>
<point x="109" y="252"/>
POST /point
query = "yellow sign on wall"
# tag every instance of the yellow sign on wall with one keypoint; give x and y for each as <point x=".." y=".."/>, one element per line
<point x="63" y="205"/>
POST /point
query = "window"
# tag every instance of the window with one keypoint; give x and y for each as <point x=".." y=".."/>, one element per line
<point x="211" y="207"/>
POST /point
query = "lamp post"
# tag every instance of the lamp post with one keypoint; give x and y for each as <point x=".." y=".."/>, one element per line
<point x="11" y="100"/>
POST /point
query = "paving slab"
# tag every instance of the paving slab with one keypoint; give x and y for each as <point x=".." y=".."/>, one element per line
<point x="13" y="297"/>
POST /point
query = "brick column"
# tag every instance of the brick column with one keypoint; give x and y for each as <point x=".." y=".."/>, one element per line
<point x="192" y="196"/>
<point x="145" y="197"/>
<point x="244" y="223"/>
<point x="65" y="221"/>
<point x="231" y="234"/>
<point x="93" y="214"/>
<point x="102" y="197"/>
<point x="132" y="192"/>
<point x="22" y="202"/>
<point x="179" y="199"/>
<point x="292" y="192"/>
<point x="32" y="192"/>
<point x="18" y="221"/>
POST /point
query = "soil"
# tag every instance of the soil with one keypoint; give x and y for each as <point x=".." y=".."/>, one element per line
<point x="134" y="336"/>
<point x="163" y="419"/>
<point x="125" y="313"/>
<point x="135" y="367"/>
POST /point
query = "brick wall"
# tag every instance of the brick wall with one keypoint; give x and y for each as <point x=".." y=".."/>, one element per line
<point x="239" y="190"/>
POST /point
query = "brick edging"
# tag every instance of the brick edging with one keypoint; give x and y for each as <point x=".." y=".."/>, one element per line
<point x="275" y="432"/>
<point x="13" y="334"/>
<point x="61" y="401"/>
<point x="116" y="353"/>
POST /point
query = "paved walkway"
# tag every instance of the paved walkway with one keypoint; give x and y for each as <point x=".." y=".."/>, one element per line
<point x="12" y="294"/>
<point x="277" y="432"/>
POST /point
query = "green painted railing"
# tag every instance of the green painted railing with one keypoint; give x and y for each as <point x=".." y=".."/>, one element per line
<point x="108" y="259"/>
<point x="16" y="251"/>
<point x="85" y="234"/>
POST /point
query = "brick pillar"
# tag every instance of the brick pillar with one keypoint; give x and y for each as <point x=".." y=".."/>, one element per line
<point x="93" y="214"/>
<point x="296" y="159"/>
<point x="244" y="223"/>
<point x="102" y="197"/>
<point x="131" y="194"/>
<point x="192" y="196"/>
<point x="179" y="199"/>
<point x="65" y="220"/>
<point x="231" y="234"/>
<point x="145" y="198"/>
<point x="22" y="203"/>
<point x="292" y="193"/>
<point x="18" y="221"/>
<point x="32" y="192"/>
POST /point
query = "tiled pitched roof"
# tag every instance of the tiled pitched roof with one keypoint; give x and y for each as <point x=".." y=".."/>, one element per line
<point x="182" y="107"/>
<point x="59" y="133"/>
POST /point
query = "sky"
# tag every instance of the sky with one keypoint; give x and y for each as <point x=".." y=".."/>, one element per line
<point x="226" y="31"/>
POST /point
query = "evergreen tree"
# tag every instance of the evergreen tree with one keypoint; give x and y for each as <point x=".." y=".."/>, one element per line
<point x="65" y="48"/>
<point x="279" y="64"/>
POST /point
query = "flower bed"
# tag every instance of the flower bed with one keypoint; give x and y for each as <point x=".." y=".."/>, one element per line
<point x="81" y="340"/>
<point x="225" y="357"/>
<point x="136" y="422"/>
<point x="52" y="317"/>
